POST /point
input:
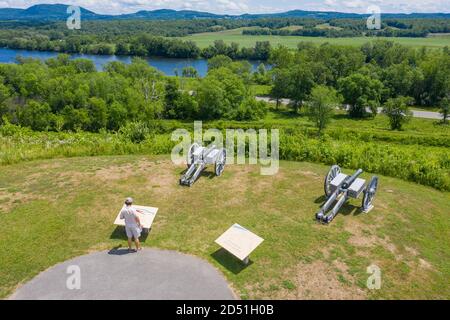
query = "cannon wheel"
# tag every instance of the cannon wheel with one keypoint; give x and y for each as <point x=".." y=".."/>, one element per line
<point x="334" y="171"/>
<point x="369" y="194"/>
<point x="220" y="162"/>
<point x="190" y="155"/>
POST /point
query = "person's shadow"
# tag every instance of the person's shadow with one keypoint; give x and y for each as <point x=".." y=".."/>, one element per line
<point x="119" y="251"/>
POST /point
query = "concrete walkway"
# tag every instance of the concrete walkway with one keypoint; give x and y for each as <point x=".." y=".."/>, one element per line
<point x="415" y="113"/>
<point x="150" y="274"/>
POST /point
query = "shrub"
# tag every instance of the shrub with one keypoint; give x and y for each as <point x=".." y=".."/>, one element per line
<point x="135" y="132"/>
<point x="398" y="111"/>
<point x="250" y="109"/>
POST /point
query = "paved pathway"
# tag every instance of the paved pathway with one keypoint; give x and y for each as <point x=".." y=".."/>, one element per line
<point x="150" y="274"/>
<point x="416" y="113"/>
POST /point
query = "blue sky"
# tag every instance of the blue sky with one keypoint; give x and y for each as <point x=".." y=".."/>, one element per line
<point x="245" y="6"/>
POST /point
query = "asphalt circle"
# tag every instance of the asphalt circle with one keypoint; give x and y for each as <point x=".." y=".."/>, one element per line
<point x="150" y="274"/>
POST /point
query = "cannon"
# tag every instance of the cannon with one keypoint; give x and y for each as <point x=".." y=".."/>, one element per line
<point x="198" y="158"/>
<point x="340" y="187"/>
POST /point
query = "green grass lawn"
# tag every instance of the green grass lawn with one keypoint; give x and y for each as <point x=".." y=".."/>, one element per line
<point x="53" y="210"/>
<point x="235" y="35"/>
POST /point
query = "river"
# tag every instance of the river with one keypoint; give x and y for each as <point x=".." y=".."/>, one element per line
<point x="168" y="66"/>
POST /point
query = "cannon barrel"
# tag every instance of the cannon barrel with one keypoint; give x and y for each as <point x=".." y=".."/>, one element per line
<point x="348" y="182"/>
<point x="208" y="150"/>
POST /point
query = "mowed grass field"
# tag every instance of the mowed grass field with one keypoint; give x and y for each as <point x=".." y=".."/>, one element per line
<point x="53" y="210"/>
<point x="235" y="35"/>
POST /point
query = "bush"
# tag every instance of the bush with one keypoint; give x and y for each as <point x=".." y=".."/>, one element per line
<point x="250" y="109"/>
<point x="398" y="111"/>
<point x="135" y="132"/>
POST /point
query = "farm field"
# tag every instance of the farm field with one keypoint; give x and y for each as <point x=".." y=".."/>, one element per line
<point x="57" y="209"/>
<point x="235" y="35"/>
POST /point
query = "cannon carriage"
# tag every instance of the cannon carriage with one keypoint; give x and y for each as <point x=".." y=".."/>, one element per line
<point x="339" y="187"/>
<point x="198" y="158"/>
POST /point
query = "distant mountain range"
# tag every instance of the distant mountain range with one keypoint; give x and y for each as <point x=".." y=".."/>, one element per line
<point x="55" y="12"/>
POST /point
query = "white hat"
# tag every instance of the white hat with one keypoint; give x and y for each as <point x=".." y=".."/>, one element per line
<point x="128" y="201"/>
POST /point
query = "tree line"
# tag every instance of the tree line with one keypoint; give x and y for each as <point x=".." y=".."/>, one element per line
<point x="142" y="45"/>
<point x="335" y="28"/>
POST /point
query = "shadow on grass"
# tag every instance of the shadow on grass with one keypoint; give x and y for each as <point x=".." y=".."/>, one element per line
<point x="119" y="234"/>
<point x="230" y="262"/>
<point x="320" y="199"/>
<point x="284" y="113"/>
<point x="350" y="209"/>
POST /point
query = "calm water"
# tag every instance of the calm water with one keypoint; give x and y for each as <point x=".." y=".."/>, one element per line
<point x="166" y="65"/>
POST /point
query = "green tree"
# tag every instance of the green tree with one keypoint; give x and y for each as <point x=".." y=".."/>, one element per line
<point x="98" y="113"/>
<point x="122" y="48"/>
<point x="399" y="79"/>
<point x="300" y="85"/>
<point x="75" y="119"/>
<point x="172" y="93"/>
<point x="219" y="61"/>
<point x="360" y="91"/>
<point x="35" y="115"/>
<point x="4" y="93"/>
<point x="211" y="99"/>
<point x="281" y="57"/>
<point x="117" y="116"/>
<point x="280" y="84"/>
<point x="397" y="111"/>
<point x="83" y="65"/>
<point x="178" y="105"/>
<point x="261" y="76"/>
<point x="233" y="87"/>
<point x="185" y="107"/>
<point x="220" y="94"/>
<point x="321" y="106"/>
<point x="262" y="50"/>
<point x="445" y="108"/>
<point x="189" y="72"/>
<point x="436" y="80"/>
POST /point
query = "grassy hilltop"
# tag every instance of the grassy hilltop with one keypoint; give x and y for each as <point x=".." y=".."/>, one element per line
<point x="55" y="210"/>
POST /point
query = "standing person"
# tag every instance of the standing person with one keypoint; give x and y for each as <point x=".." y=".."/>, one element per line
<point x="133" y="225"/>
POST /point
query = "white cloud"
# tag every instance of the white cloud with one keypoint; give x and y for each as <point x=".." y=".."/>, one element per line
<point x="244" y="6"/>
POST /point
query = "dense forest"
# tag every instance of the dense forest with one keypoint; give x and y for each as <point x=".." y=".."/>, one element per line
<point x="156" y="38"/>
<point x="335" y="28"/>
<point x="65" y="94"/>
